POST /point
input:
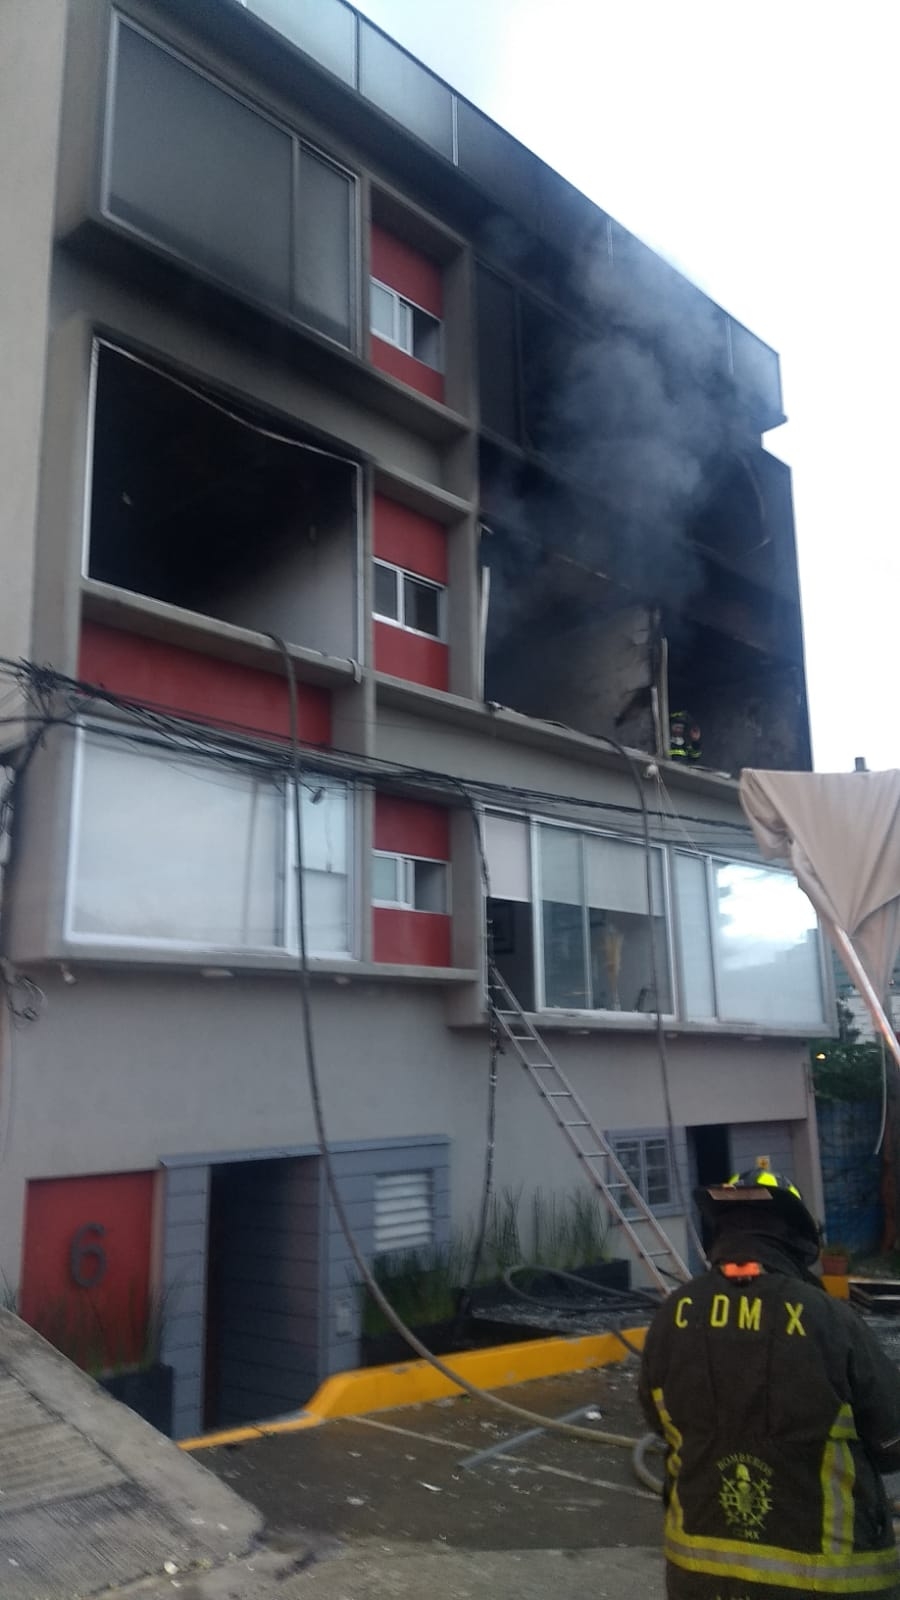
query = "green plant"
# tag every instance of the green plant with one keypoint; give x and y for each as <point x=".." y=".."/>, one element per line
<point x="9" y="1294"/>
<point x="103" y="1340"/>
<point x="422" y="1285"/>
<point x="846" y="1070"/>
<point x="566" y="1231"/>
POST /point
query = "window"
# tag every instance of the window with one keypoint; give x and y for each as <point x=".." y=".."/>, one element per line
<point x="571" y="930"/>
<point x="213" y="181"/>
<point x="404" y="1211"/>
<point x="406" y="90"/>
<point x="405" y="325"/>
<point x="410" y="882"/>
<point x="324" y="830"/>
<point x="596" y="933"/>
<point x="172" y="850"/>
<point x="750" y="949"/>
<point x="410" y="602"/>
<point x="647" y="1163"/>
<point x="325" y="29"/>
<point x="766" y="945"/>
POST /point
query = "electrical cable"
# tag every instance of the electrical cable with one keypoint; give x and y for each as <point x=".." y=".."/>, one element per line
<point x="657" y="996"/>
<point x="615" y="1299"/>
<point x="362" y="1265"/>
<point x="335" y="760"/>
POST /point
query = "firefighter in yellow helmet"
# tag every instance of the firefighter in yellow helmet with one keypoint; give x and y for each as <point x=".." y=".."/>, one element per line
<point x="780" y="1412"/>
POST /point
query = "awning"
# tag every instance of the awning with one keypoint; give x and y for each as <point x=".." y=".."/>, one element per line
<point x="841" y="834"/>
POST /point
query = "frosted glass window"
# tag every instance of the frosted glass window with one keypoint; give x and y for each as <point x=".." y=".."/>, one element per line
<point x="382" y="311"/>
<point x="387" y="879"/>
<point x="405" y="89"/>
<point x="324" y="828"/>
<point x="561" y="872"/>
<point x="325" y="29"/>
<point x="507" y="846"/>
<point x="323" y="291"/>
<point x="617" y="876"/>
<point x="767" y="945"/>
<point x="196" y="169"/>
<point x="170" y="849"/>
<point x="695" y="943"/>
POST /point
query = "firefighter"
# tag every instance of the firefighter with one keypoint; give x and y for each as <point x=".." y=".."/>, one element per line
<point x="779" y="1409"/>
<point x="684" y="737"/>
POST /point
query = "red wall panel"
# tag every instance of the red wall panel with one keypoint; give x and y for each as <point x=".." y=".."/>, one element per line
<point x="86" y="1264"/>
<point x="388" y="358"/>
<point x="401" y="267"/>
<point x="410" y="540"/>
<point x="411" y="656"/>
<point x="413" y="938"/>
<point x="172" y="678"/>
<point x="412" y="827"/>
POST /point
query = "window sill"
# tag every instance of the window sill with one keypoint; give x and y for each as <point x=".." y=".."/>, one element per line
<point x="157" y="619"/>
<point x="584" y="1024"/>
<point x="223" y="964"/>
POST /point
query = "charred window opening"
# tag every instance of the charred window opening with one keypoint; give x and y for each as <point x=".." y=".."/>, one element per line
<point x="605" y="621"/>
<point x="204" y="511"/>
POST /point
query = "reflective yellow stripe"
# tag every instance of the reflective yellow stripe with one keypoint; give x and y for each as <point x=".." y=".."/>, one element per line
<point x="864" y="1572"/>
<point x="838" y="1478"/>
<point x="675" y="1440"/>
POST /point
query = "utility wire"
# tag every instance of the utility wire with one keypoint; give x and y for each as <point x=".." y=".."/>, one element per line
<point x="362" y="1265"/>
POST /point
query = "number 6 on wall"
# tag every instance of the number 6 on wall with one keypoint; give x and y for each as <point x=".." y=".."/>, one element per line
<point x="86" y="1248"/>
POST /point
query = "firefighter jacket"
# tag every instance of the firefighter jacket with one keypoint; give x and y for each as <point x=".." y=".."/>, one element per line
<point x="780" y="1411"/>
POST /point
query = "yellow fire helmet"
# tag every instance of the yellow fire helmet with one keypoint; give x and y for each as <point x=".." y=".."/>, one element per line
<point x="760" y="1187"/>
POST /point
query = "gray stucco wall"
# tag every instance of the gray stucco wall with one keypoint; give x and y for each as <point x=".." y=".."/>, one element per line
<point x="32" y="36"/>
<point x="124" y="1068"/>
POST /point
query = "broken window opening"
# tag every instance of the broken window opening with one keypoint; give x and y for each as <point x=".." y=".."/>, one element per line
<point x="203" y="511"/>
<point x="604" y="624"/>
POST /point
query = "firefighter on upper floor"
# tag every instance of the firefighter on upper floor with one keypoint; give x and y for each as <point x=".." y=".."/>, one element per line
<point x="684" y="737"/>
<point x="780" y="1412"/>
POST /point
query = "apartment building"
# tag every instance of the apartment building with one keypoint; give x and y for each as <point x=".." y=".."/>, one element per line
<point x="318" y="381"/>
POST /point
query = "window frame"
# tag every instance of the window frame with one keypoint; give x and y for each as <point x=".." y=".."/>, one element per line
<point x="678" y="1018"/>
<point x="537" y="901"/>
<point x="287" y="949"/>
<point x="745" y="1025"/>
<point x="413" y="306"/>
<point x="406" y="877"/>
<point x="401" y="574"/>
<point x="642" y="1137"/>
<point x="282" y="313"/>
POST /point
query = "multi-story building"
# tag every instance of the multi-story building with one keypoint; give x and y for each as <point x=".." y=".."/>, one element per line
<point x="299" y="343"/>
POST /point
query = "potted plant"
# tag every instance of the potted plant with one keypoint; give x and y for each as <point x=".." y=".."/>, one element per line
<point x="119" y="1348"/>
<point x="835" y="1260"/>
<point x="135" y="1373"/>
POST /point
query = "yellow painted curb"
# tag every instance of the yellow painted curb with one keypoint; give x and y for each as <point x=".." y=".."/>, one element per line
<point x="356" y="1393"/>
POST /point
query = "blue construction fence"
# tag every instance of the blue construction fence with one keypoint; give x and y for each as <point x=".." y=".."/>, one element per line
<point x="851" y="1172"/>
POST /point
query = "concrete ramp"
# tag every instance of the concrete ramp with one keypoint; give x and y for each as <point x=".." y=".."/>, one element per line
<point x="91" y="1497"/>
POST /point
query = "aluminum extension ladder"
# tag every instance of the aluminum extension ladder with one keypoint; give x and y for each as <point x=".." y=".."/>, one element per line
<point x="625" y="1203"/>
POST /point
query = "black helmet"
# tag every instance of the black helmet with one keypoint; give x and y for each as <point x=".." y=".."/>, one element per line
<point x="763" y="1188"/>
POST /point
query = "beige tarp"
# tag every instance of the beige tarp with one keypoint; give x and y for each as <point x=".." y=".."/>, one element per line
<point x="841" y="834"/>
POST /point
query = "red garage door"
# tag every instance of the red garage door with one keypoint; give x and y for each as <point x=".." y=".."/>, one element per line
<point x="86" y="1266"/>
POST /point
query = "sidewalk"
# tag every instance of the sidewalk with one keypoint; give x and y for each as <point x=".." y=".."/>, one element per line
<point x="91" y="1497"/>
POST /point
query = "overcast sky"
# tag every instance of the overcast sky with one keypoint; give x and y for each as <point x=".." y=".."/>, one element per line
<point x="755" y="145"/>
